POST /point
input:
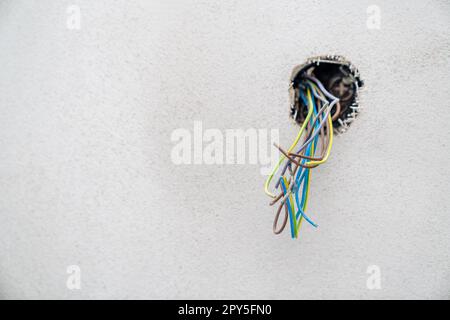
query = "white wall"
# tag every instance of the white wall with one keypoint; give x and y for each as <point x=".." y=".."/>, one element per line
<point x="86" y="176"/>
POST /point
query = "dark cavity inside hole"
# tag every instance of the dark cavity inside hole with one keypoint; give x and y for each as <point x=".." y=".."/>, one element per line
<point x="340" y="78"/>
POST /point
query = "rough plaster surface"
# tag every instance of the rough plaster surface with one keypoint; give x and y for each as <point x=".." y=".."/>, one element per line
<point x="85" y="172"/>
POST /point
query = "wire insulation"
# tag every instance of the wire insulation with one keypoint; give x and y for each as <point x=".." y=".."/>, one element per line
<point x="313" y="145"/>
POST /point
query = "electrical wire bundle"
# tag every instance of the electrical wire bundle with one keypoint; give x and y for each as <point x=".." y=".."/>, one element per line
<point x="318" y="112"/>
<point x="298" y="162"/>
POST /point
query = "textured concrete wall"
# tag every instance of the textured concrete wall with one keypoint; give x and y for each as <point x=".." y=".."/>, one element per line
<point x="86" y="176"/>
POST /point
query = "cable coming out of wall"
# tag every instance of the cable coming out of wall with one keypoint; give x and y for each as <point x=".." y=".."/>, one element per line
<point x="324" y="102"/>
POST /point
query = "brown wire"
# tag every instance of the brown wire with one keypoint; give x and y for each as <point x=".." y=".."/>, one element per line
<point x="292" y="159"/>
<point x="337" y="113"/>
<point x="277" y="217"/>
<point x="276" y="199"/>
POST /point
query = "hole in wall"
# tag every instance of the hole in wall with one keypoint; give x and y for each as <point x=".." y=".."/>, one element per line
<point x="339" y="77"/>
